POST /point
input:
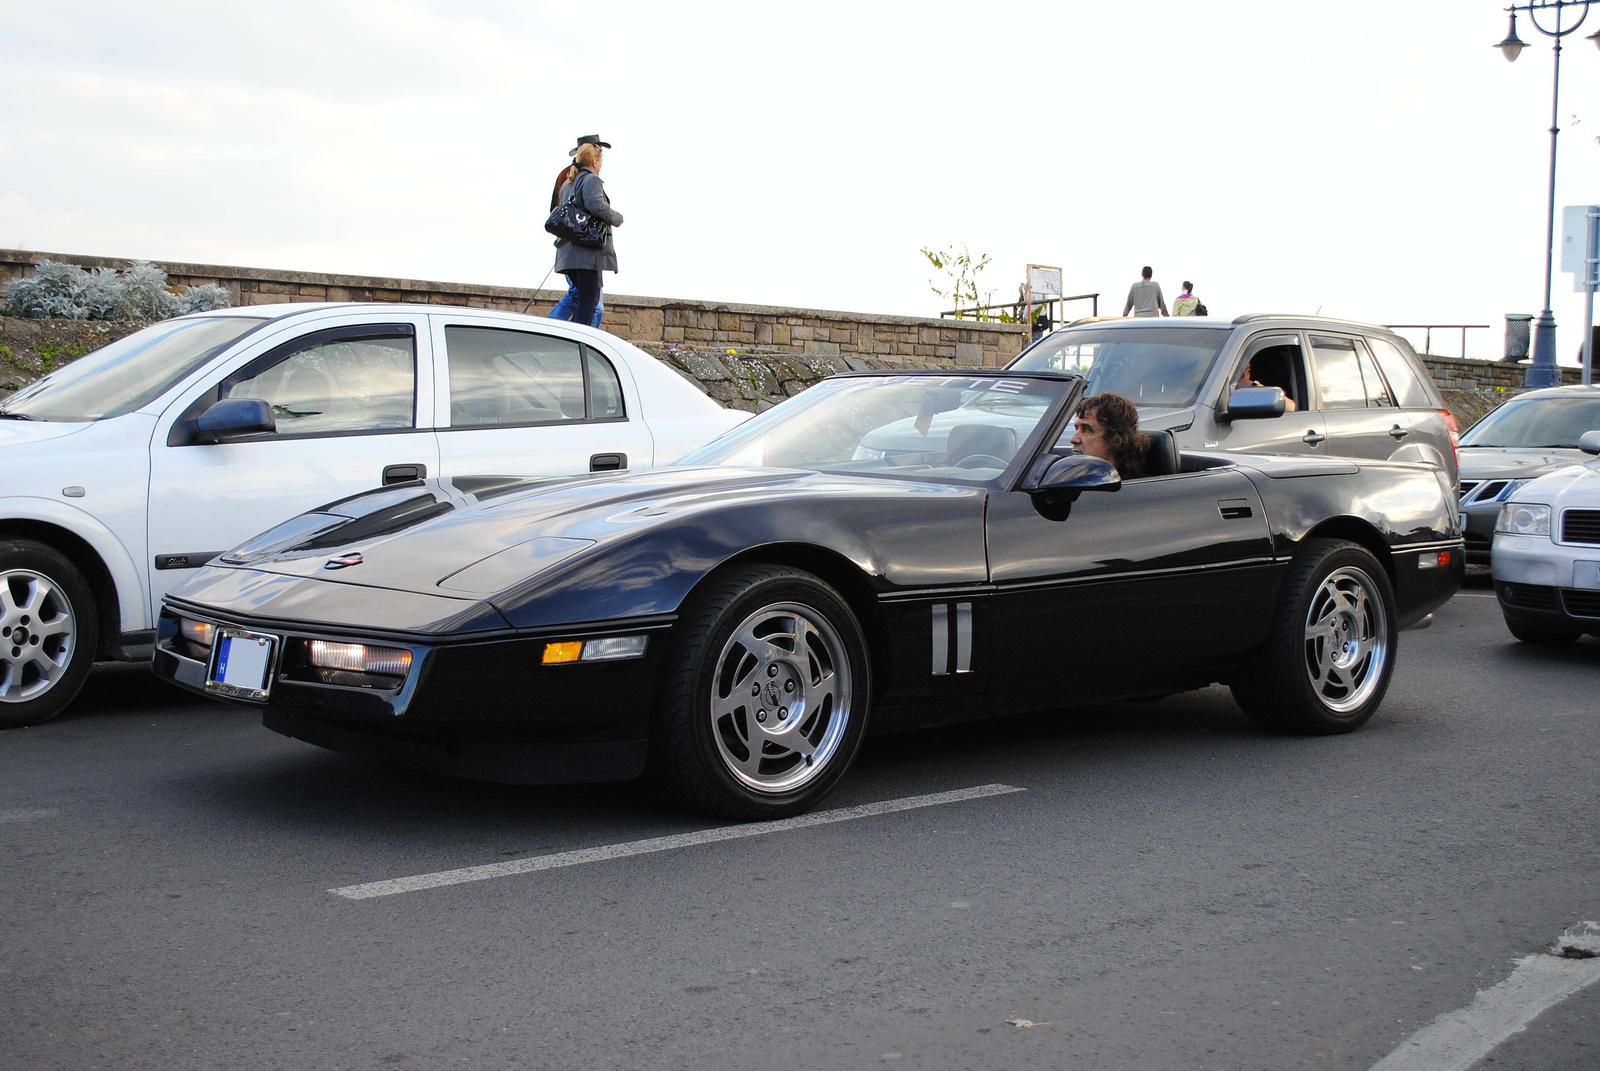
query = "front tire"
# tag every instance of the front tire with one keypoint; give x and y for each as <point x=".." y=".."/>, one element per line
<point x="48" y="632"/>
<point x="1328" y="662"/>
<point x="767" y="699"/>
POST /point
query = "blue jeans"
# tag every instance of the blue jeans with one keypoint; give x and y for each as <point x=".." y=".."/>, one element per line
<point x="569" y="304"/>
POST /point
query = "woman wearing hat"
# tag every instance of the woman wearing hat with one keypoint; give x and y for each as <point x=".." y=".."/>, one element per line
<point x="581" y="264"/>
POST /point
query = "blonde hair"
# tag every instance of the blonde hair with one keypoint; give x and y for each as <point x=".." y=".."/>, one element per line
<point x="586" y="154"/>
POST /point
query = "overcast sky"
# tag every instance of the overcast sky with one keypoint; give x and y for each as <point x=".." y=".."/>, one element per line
<point x="1375" y="160"/>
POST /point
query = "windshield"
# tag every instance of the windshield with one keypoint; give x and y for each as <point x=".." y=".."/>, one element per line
<point x="119" y="378"/>
<point x="1536" y="422"/>
<point x="925" y="426"/>
<point x="1148" y="366"/>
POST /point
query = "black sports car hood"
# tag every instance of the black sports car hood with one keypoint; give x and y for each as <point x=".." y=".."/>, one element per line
<point x="1515" y="462"/>
<point x="487" y="538"/>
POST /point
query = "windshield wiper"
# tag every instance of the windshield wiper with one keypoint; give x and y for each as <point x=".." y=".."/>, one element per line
<point x="14" y="416"/>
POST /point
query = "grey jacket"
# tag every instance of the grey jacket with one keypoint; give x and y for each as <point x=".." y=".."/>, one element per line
<point x="592" y="197"/>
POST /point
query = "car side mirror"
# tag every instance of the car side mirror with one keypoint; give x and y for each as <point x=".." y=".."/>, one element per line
<point x="232" y="418"/>
<point x="1254" y="403"/>
<point x="1589" y="442"/>
<point x="1080" y="472"/>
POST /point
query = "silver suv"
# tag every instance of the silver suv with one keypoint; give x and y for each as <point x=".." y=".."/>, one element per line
<point x="1268" y="384"/>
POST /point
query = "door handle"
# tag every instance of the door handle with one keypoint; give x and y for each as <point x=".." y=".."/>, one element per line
<point x="1312" y="437"/>
<point x="607" y="462"/>
<point x="1234" y="509"/>
<point x="403" y="473"/>
<point x="1398" y="432"/>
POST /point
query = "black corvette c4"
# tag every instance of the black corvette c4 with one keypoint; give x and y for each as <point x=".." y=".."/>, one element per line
<point x="738" y="622"/>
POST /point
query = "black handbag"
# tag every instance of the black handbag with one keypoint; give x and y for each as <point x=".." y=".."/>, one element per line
<point x="571" y="222"/>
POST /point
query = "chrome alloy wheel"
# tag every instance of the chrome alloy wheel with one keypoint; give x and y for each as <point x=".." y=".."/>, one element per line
<point x="1346" y="640"/>
<point x="780" y="697"/>
<point x="37" y="634"/>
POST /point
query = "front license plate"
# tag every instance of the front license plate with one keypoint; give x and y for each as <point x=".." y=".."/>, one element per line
<point x="1586" y="575"/>
<point x="242" y="665"/>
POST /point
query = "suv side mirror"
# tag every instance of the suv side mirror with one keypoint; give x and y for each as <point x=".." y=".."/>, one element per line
<point x="1589" y="442"/>
<point x="1254" y="403"/>
<point x="232" y="418"/>
<point x="1080" y="472"/>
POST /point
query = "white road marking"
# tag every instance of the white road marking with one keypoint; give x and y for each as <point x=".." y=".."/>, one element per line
<point x="395" y="886"/>
<point x="1458" y="1039"/>
<point x="25" y="816"/>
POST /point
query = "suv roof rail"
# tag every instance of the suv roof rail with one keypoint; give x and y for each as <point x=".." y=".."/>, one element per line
<point x="1253" y="317"/>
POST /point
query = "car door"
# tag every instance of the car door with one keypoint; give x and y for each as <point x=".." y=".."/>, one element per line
<point x="1127" y="591"/>
<point x="351" y="403"/>
<point x="1276" y="360"/>
<point x="519" y="402"/>
<point x="1360" y="421"/>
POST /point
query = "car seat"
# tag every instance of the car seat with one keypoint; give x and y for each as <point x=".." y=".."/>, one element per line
<point x="969" y="440"/>
<point x="1161" y="458"/>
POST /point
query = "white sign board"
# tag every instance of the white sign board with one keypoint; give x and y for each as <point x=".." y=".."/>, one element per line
<point x="1044" y="284"/>
<point x="1578" y="245"/>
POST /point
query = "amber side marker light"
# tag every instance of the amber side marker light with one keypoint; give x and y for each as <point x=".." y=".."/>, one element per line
<point x="609" y="649"/>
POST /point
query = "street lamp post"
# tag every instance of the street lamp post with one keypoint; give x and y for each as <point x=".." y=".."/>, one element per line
<point x="1543" y="371"/>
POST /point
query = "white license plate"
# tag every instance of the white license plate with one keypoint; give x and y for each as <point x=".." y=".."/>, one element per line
<point x="1586" y="575"/>
<point x="242" y="664"/>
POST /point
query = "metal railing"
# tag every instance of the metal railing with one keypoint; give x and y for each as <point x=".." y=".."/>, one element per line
<point x="1427" y="329"/>
<point x="1055" y="305"/>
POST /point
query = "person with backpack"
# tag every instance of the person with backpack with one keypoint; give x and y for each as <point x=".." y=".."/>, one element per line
<point x="1187" y="304"/>
<point x="582" y="264"/>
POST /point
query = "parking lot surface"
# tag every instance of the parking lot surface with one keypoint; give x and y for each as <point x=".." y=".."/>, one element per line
<point x="1168" y="886"/>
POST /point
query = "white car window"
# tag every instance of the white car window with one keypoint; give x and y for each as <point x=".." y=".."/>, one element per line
<point x="501" y="377"/>
<point x="344" y="385"/>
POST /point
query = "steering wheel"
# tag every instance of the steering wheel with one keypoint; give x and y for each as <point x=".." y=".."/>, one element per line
<point x="980" y="461"/>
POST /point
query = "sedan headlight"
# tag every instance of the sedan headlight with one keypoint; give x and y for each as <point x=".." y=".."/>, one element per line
<point x="1523" y="518"/>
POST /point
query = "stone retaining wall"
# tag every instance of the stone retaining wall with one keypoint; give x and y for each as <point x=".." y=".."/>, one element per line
<point x="646" y="321"/>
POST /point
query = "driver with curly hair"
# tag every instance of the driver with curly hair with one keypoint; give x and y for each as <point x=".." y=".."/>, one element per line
<point x="1108" y="427"/>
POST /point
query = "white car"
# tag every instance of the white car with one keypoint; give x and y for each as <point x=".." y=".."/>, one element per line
<point x="1546" y="554"/>
<point x="129" y="468"/>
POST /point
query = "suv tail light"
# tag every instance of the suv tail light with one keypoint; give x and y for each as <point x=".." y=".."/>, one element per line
<point x="1455" y="433"/>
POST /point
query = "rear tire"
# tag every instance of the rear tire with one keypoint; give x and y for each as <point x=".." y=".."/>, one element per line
<point x="767" y="696"/>
<point x="48" y="632"/>
<point x="1544" y="637"/>
<point x="1331" y="653"/>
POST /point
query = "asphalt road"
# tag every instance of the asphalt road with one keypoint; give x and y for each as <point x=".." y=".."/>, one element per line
<point x="1172" y="889"/>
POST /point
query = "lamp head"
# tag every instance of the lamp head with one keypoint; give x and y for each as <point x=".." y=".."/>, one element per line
<point x="1512" y="46"/>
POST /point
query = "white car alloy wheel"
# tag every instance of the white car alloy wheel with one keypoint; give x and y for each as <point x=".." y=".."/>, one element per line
<point x="38" y="635"/>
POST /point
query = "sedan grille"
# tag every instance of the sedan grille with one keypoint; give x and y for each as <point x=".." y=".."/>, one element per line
<point x="1581" y="603"/>
<point x="1479" y="492"/>
<point x="1529" y="596"/>
<point x="1581" y="526"/>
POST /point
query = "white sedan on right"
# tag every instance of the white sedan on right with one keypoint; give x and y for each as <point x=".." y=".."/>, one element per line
<point x="1546" y="554"/>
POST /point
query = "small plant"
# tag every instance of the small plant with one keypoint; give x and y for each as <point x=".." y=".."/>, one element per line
<point x="58" y="291"/>
<point x="960" y="282"/>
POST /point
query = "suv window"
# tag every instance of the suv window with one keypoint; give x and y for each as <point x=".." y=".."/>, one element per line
<point x="1377" y="392"/>
<point x="499" y="377"/>
<point x="339" y="385"/>
<point x="1154" y="366"/>
<point x="1339" y="384"/>
<point x="1408" y="390"/>
<point x="1276" y="361"/>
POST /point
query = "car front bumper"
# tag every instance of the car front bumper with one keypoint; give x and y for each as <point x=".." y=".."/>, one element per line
<point x="481" y="708"/>
<point x="1537" y="582"/>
